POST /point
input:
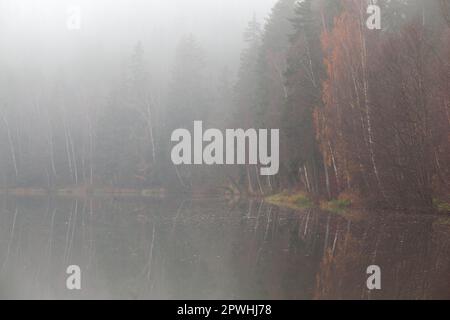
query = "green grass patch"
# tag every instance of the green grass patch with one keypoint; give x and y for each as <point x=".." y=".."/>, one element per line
<point x="336" y="205"/>
<point x="441" y="206"/>
<point x="443" y="221"/>
<point x="291" y="200"/>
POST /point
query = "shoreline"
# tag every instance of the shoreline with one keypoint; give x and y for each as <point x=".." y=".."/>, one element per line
<point x="294" y="200"/>
<point x="84" y="192"/>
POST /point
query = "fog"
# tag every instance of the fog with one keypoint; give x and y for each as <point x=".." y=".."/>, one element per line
<point x="134" y="144"/>
<point x="82" y="81"/>
<point x="34" y="33"/>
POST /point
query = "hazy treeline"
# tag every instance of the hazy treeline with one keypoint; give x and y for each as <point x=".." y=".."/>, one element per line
<point x="360" y="111"/>
<point x="89" y="107"/>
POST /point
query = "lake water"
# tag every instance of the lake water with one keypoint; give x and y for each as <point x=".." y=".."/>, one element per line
<point x="179" y="248"/>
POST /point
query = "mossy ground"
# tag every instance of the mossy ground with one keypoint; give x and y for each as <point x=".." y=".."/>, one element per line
<point x="291" y="200"/>
<point x="301" y="201"/>
<point x="336" y="205"/>
<point x="441" y="205"/>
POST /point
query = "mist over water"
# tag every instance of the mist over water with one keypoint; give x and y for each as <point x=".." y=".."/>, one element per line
<point x="214" y="249"/>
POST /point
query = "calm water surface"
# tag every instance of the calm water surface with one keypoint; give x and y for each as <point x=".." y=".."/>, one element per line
<point x="216" y="249"/>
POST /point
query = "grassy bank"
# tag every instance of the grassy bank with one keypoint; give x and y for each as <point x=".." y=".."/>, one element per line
<point x="441" y="206"/>
<point x="300" y="200"/>
<point x="339" y="206"/>
<point x="291" y="200"/>
<point x="347" y="205"/>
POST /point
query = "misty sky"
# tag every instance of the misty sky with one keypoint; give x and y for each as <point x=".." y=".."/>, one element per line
<point x="33" y="33"/>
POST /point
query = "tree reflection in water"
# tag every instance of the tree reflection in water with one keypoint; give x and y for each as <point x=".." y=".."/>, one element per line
<point x="209" y="248"/>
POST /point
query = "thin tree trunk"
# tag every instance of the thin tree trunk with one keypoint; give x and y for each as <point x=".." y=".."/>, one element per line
<point x="150" y="129"/>
<point x="11" y="146"/>
<point x="258" y="180"/>
<point x="308" y="186"/>
<point x="327" y="179"/>
<point x="249" y="181"/>
<point x="367" y="106"/>
<point x="67" y="145"/>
